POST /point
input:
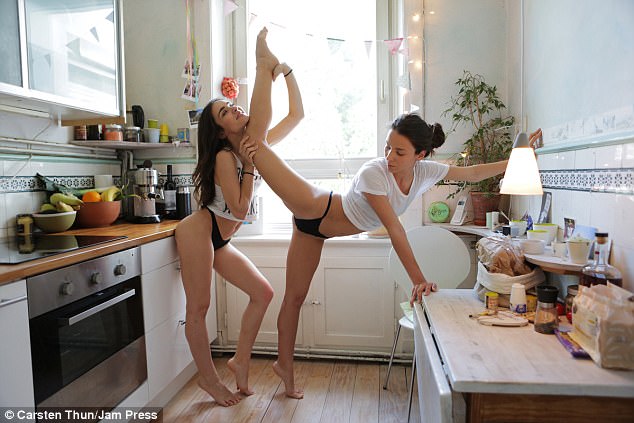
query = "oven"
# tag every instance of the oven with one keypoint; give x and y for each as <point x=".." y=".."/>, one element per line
<point x="87" y="336"/>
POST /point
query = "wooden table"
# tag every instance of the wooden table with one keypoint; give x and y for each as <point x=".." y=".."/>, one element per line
<point x="515" y="374"/>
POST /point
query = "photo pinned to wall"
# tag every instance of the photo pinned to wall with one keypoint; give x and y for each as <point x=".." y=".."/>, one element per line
<point x="191" y="71"/>
<point x="546" y="201"/>
<point x="191" y="91"/>
<point x="194" y="116"/>
<point x="569" y="228"/>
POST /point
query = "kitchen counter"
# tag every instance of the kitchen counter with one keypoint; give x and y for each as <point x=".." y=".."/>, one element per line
<point x="137" y="234"/>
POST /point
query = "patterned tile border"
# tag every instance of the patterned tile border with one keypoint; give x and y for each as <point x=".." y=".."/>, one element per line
<point x="618" y="181"/>
<point x="32" y="184"/>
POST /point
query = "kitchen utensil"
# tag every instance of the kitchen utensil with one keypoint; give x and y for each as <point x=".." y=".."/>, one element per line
<point x="98" y="214"/>
<point x="54" y="222"/>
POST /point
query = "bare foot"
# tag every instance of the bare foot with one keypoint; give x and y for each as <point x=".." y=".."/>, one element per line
<point x="219" y="392"/>
<point x="263" y="56"/>
<point x="289" y="382"/>
<point x="242" y="375"/>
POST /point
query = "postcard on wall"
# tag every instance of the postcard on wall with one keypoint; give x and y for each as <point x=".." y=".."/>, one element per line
<point x="546" y="201"/>
<point x="569" y="227"/>
<point x="190" y="71"/>
<point x="194" y="116"/>
<point x="191" y="91"/>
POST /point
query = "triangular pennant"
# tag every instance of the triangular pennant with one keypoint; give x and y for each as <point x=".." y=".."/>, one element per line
<point x="368" y="47"/>
<point x="110" y="17"/>
<point x="229" y="7"/>
<point x="393" y="45"/>
<point x="334" y="44"/>
<point x="252" y="18"/>
<point x="74" y="46"/>
<point x="94" y="33"/>
<point x="47" y="57"/>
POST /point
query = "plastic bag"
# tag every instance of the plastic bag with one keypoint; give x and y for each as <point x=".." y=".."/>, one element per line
<point x="603" y="324"/>
<point x="500" y="255"/>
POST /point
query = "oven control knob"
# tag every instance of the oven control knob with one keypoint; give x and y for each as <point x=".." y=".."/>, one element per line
<point x="119" y="270"/>
<point x="67" y="288"/>
<point x="96" y="278"/>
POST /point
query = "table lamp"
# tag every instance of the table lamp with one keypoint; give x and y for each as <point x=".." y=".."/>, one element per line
<point x="522" y="175"/>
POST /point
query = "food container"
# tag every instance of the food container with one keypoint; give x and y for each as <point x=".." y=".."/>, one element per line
<point x="80" y="133"/>
<point x="132" y="134"/>
<point x="113" y="132"/>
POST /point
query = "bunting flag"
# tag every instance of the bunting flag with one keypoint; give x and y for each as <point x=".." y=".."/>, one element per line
<point x="74" y="46"/>
<point x="368" y="47"/>
<point x="393" y="45"/>
<point x="229" y="7"/>
<point x="94" y="33"/>
<point x="110" y="17"/>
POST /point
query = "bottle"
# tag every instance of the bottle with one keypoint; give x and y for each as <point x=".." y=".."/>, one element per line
<point x="572" y="291"/>
<point x="169" y="194"/>
<point x="183" y="201"/>
<point x="546" y="317"/>
<point x="600" y="272"/>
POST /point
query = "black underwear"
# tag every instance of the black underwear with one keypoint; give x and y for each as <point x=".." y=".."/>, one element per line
<point x="311" y="226"/>
<point x="216" y="238"/>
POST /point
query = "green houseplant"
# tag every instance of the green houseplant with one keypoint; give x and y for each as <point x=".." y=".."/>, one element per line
<point x="478" y="106"/>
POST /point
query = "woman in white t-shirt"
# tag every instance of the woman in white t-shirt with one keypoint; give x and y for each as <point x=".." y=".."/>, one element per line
<point x="381" y="191"/>
<point x="225" y="186"/>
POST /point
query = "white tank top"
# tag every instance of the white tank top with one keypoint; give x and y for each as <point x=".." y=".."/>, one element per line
<point x="220" y="207"/>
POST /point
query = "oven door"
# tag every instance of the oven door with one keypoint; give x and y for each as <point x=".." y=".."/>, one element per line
<point x="90" y="353"/>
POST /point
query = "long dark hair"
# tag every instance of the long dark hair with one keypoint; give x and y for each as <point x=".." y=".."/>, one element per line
<point x="209" y="144"/>
<point x="422" y="135"/>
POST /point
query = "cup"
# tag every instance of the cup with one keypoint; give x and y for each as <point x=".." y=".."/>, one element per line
<point x="495" y="219"/>
<point x="152" y="123"/>
<point x="489" y="220"/>
<point x="152" y="134"/>
<point x="551" y="228"/>
<point x="521" y="225"/>
<point x="517" y="302"/>
<point x="560" y="249"/>
<point x="578" y="251"/>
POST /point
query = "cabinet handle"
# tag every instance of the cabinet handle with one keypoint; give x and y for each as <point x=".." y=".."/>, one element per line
<point x="4" y="303"/>
<point x="315" y="302"/>
<point x="182" y="322"/>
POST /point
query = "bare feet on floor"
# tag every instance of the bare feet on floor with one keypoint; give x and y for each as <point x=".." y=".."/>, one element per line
<point x="219" y="392"/>
<point x="241" y="372"/>
<point x="289" y="382"/>
<point x="263" y="56"/>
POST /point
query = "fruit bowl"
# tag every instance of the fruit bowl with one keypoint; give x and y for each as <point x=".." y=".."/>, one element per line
<point x="101" y="213"/>
<point x="54" y="222"/>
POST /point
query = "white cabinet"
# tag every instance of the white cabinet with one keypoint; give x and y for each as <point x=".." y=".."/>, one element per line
<point x="349" y="307"/>
<point x="64" y="57"/>
<point x="164" y="315"/>
<point x="16" y="374"/>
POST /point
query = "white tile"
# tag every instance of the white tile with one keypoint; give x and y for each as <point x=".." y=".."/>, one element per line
<point x="20" y="202"/>
<point x="566" y="160"/>
<point x="624" y="221"/>
<point x="577" y="207"/>
<point x="609" y="157"/>
<point x="628" y="155"/>
<point x="560" y="206"/>
<point x="3" y="212"/>
<point x="603" y="211"/>
<point x="584" y="159"/>
<point x="623" y="259"/>
<point x="18" y="168"/>
<point x="547" y="161"/>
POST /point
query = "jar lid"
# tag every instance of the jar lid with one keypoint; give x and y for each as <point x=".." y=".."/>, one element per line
<point x="547" y="294"/>
<point x="132" y="128"/>
<point x="114" y="126"/>
<point x="572" y="289"/>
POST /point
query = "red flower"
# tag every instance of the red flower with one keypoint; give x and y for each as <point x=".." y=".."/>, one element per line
<point x="230" y="88"/>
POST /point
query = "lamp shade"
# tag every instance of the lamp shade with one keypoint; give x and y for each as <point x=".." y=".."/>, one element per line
<point x="522" y="175"/>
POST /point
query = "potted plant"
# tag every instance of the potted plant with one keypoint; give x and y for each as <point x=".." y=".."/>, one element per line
<point x="478" y="106"/>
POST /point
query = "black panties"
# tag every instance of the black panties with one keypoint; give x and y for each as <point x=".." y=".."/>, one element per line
<point x="311" y="226"/>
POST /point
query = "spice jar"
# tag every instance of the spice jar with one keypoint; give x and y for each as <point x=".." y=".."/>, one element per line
<point x="491" y="299"/>
<point x="571" y="291"/>
<point x="113" y="132"/>
<point x="132" y="134"/>
<point x="546" y="317"/>
<point x="80" y="133"/>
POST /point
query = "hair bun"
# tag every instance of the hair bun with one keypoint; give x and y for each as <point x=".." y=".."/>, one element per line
<point x="437" y="135"/>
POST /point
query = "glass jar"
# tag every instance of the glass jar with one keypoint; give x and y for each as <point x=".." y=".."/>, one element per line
<point x="491" y="301"/>
<point x="113" y="132"/>
<point x="546" y="317"/>
<point x="600" y="272"/>
<point x="80" y="133"/>
<point x="571" y="291"/>
<point x="132" y="134"/>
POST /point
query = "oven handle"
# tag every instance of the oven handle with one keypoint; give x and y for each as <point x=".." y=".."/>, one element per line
<point x="69" y="321"/>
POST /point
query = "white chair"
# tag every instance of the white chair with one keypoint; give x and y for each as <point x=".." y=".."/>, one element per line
<point x="444" y="260"/>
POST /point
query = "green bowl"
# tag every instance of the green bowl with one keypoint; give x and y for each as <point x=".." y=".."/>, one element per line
<point x="54" y="222"/>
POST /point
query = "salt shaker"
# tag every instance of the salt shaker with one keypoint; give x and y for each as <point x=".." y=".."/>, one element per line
<point x="546" y="318"/>
<point x="517" y="303"/>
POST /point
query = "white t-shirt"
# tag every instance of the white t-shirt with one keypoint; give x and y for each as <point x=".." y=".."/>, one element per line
<point x="374" y="178"/>
<point x="220" y="207"/>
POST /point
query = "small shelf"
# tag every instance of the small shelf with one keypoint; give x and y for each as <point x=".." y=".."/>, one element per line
<point x="127" y="145"/>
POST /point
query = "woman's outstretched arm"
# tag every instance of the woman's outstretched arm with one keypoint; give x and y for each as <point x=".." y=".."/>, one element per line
<point x="295" y="106"/>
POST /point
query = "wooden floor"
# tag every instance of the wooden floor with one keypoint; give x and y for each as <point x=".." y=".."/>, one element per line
<point x="335" y="391"/>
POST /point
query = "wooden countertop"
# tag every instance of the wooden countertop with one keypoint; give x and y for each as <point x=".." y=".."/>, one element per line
<point x="137" y="234"/>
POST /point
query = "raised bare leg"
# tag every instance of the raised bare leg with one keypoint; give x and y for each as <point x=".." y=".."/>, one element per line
<point x="193" y="242"/>
<point x="240" y="271"/>
<point x="302" y="259"/>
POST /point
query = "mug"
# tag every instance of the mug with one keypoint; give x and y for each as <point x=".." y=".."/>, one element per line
<point x="578" y="251"/>
<point x="559" y="249"/>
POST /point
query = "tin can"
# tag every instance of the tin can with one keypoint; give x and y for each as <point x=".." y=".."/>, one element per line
<point x="491" y="301"/>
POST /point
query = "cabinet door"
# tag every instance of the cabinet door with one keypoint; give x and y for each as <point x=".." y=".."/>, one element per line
<point x="163" y="295"/>
<point x="73" y="52"/>
<point x="274" y="270"/>
<point x="10" y="51"/>
<point x="353" y="303"/>
<point x="16" y="374"/>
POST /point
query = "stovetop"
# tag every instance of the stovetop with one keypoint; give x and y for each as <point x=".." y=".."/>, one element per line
<point x="21" y="249"/>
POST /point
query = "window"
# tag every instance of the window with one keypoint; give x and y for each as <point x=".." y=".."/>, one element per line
<point x="339" y="57"/>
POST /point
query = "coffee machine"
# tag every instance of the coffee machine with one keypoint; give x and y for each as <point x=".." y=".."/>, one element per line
<point x="143" y="182"/>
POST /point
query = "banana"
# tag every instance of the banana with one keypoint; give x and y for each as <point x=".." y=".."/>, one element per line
<point x="48" y="208"/>
<point x="63" y="207"/>
<point x="110" y="194"/>
<point x="68" y="199"/>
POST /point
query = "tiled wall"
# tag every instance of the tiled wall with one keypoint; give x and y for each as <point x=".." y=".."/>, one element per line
<point x="595" y="187"/>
